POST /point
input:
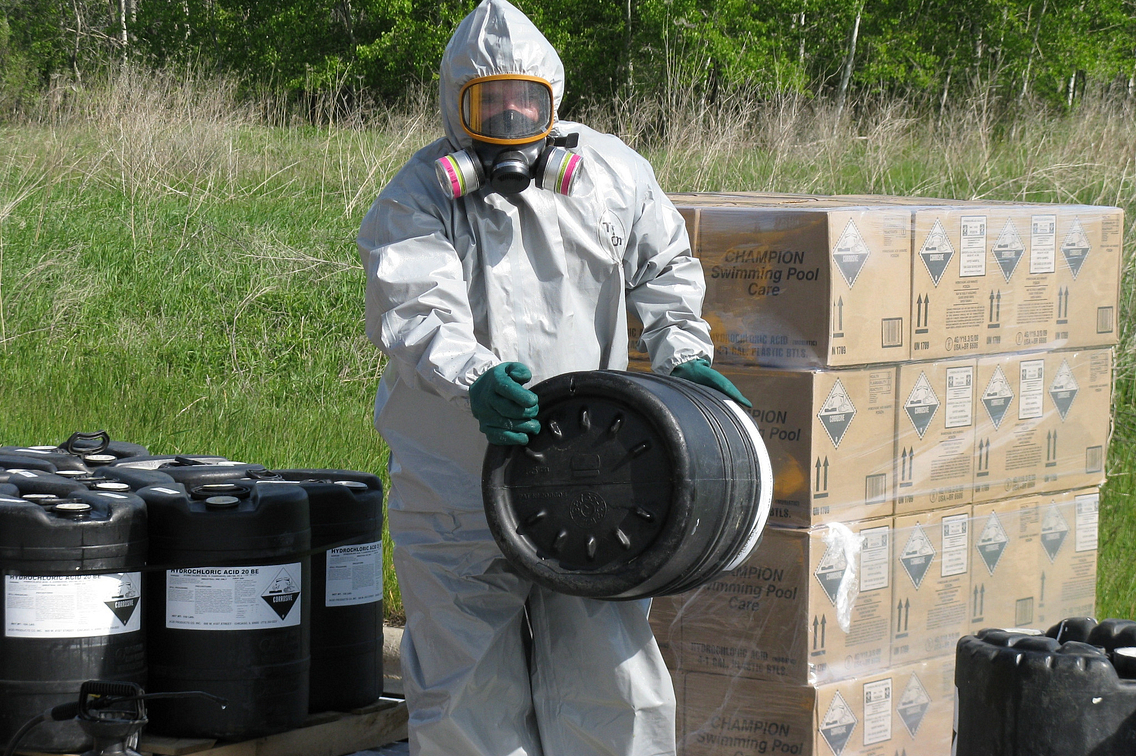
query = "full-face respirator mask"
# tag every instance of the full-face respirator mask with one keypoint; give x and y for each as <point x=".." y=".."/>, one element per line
<point x="510" y="119"/>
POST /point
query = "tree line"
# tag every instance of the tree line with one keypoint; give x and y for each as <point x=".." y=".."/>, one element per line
<point x="1050" y="51"/>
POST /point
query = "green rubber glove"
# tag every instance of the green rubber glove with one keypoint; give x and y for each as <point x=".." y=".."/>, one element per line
<point x="699" y="371"/>
<point x="504" y="407"/>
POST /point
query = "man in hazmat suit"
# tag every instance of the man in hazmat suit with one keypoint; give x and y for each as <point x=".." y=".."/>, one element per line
<point x="508" y="251"/>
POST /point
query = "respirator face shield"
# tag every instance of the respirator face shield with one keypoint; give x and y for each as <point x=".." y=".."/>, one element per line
<point x="508" y="109"/>
<point x="510" y="118"/>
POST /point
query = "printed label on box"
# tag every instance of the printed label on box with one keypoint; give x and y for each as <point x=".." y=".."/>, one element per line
<point x="960" y="397"/>
<point x="1086" y="521"/>
<point x="972" y="255"/>
<point x="877" y="712"/>
<point x="875" y="556"/>
<point x="956" y="545"/>
<point x="1043" y="244"/>
<point x="1031" y="389"/>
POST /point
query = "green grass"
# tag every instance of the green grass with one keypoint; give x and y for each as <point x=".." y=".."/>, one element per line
<point x="176" y="271"/>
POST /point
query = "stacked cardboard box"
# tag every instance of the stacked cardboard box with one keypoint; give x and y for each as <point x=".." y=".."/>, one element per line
<point x="933" y="382"/>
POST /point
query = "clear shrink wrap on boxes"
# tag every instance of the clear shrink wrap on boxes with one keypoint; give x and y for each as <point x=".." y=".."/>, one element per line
<point x="811" y="643"/>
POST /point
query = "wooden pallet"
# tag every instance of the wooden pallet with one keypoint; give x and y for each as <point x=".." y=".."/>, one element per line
<point x="327" y="734"/>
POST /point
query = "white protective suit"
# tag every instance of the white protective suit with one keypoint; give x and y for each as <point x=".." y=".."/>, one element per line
<point x="455" y="287"/>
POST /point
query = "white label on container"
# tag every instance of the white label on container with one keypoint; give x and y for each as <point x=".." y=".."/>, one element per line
<point x="1031" y="389"/>
<point x="72" y="606"/>
<point x="959" y="398"/>
<point x="972" y="252"/>
<point x="1043" y="244"/>
<point x="956" y="545"/>
<point x="233" y="598"/>
<point x="877" y="712"/>
<point x="875" y="557"/>
<point x="1086" y="520"/>
<point x="354" y="574"/>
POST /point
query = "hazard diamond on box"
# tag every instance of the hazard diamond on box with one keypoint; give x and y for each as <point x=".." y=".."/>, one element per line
<point x="997" y="397"/>
<point x="1008" y="250"/>
<point x="922" y="403"/>
<point x="1054" y="529"/>
<point x="850" y="253"/>
<point x="936" y="252"/>
<point x="1075" y="248"/>
<point x="1064" y="389"/>
<point x="836" y="413"/>
<point x="992" y="542"/>
<point x="125" y="600"/>
<point x="917" y="555"/>
<point x="830" y="572"/>
<point x="913" y="704"/>
<point x="838" y="724"/>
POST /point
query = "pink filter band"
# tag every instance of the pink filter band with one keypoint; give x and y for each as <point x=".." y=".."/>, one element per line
<point x="567" y="172"/>
<point x="450" y="167"/>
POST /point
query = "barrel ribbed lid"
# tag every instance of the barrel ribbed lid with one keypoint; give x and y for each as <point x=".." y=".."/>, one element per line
<point x="222" y="502"/>
<point x="40" y="497"/>
<point x="39" y="448"/>
<point x="592" y="490"/>
<point x="71" y="473"/>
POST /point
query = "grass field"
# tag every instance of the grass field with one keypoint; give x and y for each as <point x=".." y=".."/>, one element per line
<point x="178" y="271"/>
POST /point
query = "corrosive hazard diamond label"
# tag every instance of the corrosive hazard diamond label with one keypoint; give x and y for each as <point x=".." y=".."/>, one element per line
<point x="850" y="253"/>
<point x="125" y="600"/>
<point x="1075" y="248"/>
<point x="1064" y="389"/>
<point x="913" y="704"/>
<point x="936" y="252"/>
<point x="838" y="724"/>
<point x="997" y="397"/>
<point x="917" y="555"/>
<point x="922" y="403"/>
<point x="831" y="571"/>
<point x="992" y="542"/>
<point x="1054" y="529"/>
<point x="836" y="413"/>
<point x="282" y="593"/>
<point x="1008" y="250"/>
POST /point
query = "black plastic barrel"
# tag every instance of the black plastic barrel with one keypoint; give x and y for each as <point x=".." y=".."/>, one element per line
<point x="636" y="486"/>
<point x="41" y="486"/>
<point x="190" y="470"/>
<point x="1070" y="692"/>
<point x="347" y="587"/>
<point x="13" y="461"/>
<point x="81" y="452"/>
<point x="230" y="614"/>
<point x="53" y="455"/>
<point x="71" y="607"/>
